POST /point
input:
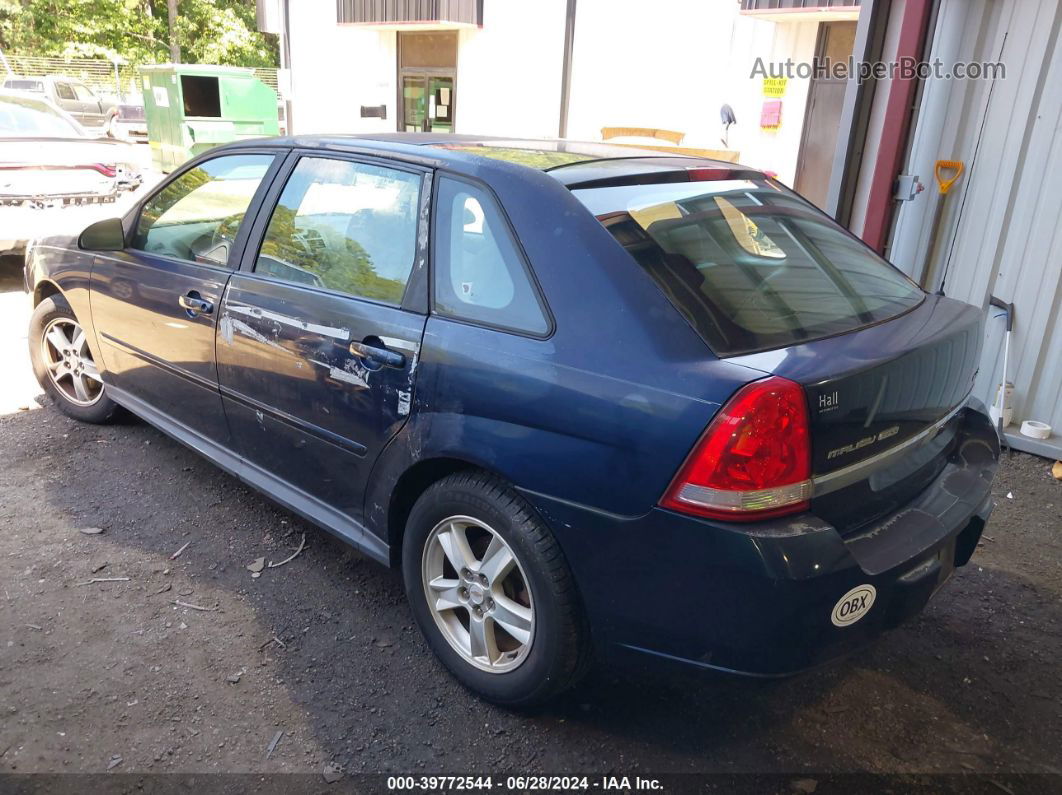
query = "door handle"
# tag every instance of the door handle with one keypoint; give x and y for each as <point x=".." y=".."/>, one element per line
<point x="195" y="304"/>
<point x="378" y="354"/>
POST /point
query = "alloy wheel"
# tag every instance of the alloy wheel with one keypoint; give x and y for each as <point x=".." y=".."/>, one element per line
<point x="71" y="368"/>
<point x="478" y="594"/>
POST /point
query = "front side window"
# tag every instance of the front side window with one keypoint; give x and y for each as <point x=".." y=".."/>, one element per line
<point x="196" y="216"/>
<point x="344" y="226"/>
<point x="83" y="93"/>
<point x="749" y="264"/>
<point x="480" y="274"/>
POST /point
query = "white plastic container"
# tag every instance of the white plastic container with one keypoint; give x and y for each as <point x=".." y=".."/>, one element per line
<point x="1007" y="399"/>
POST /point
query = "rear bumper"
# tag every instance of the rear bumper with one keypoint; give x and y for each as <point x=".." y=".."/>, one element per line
<point x="759" y="599"/>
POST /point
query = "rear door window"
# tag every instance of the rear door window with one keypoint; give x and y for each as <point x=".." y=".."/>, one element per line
<point x="749" y="264"/>
<point x="344" y="226"/>
<point x="480" y="275"/>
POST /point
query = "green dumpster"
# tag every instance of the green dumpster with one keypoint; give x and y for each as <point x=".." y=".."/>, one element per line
<point x="193" y="107"/>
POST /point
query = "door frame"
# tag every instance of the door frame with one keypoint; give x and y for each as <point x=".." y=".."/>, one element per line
<point x="821" y="45"/>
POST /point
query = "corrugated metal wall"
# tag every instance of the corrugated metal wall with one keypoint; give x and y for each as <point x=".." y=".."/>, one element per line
<point x="1001" y="232"/>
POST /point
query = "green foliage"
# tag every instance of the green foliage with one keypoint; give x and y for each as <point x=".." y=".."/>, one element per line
<point x="209" y="31"/>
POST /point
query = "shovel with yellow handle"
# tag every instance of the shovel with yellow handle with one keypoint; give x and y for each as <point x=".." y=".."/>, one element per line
<point x="947" y="173"/>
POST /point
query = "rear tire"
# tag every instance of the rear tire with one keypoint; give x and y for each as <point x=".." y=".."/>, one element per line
<point x="510" y="628"/>
<point x="64" y="365"/>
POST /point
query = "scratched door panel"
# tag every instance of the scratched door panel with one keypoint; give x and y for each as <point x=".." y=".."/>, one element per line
<point x="299" y="402"/>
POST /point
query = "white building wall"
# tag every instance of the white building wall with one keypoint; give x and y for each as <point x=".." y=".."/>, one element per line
<point x="673" y="64"/>
<point x="509" y="71"/>
<point x="772" y="150"/>
<point x="335" y="69"/>
<point x="670" y="65"/>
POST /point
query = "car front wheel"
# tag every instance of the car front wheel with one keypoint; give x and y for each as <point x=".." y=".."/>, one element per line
<point x="492" y="593"/>
<point x="64" y="364"/>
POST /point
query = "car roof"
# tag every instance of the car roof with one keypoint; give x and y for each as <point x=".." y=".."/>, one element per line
<point x="572" y="163"/>
<point x="30" y="96"/>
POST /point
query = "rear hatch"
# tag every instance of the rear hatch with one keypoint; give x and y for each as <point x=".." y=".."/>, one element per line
<point x="882" y="406"/>
<point x="773" y="283"/>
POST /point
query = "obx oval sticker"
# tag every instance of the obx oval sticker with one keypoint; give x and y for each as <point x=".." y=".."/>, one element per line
<point x="853" y="605"/>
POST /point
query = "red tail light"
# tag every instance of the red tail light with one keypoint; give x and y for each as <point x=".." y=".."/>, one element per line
<point x="754" y="460"/>
<point x="708" y="173"/>
<point x="104" y="168"/>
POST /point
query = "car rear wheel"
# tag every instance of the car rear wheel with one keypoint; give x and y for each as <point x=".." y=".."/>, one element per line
<point x="492" y="593"/>
<point x="64" y="364"/>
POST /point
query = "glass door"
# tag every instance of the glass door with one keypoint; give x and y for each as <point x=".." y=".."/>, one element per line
<point x="414" y="103"/>
<point x="427" y="102"/>
<point x="441" y="103"/>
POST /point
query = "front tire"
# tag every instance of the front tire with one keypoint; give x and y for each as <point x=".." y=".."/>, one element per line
<point x="492" y="593"/>
<point x="64" y="365"/>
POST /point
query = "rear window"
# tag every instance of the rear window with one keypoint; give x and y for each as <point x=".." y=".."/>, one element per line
<point x="749" y="264"/>
<point x="25" y="85"/>
<point x="28" y="116"/>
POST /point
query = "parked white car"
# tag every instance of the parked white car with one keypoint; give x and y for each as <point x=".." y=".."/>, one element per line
<point x="48" y="159"/>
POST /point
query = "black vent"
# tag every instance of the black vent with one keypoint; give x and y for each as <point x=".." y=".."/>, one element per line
<point x="793" y="5"/>
<point x="385" y="12"/>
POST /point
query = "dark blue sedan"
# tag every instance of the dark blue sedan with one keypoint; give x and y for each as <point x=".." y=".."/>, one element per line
<point x="594" y="402"/>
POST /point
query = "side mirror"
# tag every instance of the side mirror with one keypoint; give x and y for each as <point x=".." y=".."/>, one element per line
<point x="106" y="235"/>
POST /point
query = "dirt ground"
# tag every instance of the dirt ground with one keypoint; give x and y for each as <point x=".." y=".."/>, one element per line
<point x="116" y="676"/>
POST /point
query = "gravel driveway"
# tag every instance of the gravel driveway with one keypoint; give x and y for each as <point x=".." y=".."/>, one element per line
<point x="188" y="663"/>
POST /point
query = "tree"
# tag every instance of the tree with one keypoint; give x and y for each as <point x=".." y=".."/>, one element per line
<point x="210" y="31"/>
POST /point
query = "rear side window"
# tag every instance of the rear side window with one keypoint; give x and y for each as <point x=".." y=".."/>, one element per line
<point x="344" y="226"/>
<point x="480" y="275"/>
<point x="750" y="265"/>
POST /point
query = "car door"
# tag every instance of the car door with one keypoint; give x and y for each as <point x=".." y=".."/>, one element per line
<point x="154" y="303"/>
<point x="66" y="99"/>
<point x="320" y="330"/>
<point x="88" y="106"/>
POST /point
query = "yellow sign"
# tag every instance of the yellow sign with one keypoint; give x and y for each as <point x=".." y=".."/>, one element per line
<point x="774" y="87"/>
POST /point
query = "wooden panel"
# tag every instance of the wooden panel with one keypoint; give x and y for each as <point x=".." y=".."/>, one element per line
<point x="435" y="50"/>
